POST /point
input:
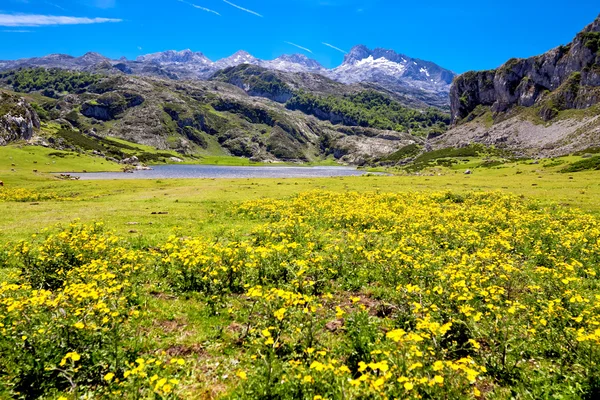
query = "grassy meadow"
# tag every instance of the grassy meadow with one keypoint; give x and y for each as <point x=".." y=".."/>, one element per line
<point x="431" y="285"/>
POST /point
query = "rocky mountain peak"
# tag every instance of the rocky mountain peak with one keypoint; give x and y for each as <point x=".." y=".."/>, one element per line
<point x="396" y="72"/>
<point x="391" y="55"/>
<point x="237" y="58"/>
<point x="172" y="56"/>
<point x="241" y="53"/>
<point x="300" y="60"/>
<point x="57" y="57"/>
<point x="357" y="53"/>
<point x="362" y="52"/>
<point x="94" y="57"/>
<point x="240" y="56"/>
<point x="594" y="26"/>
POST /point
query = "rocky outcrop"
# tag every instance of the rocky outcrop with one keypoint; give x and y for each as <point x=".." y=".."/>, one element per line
<point x="526" y="138"/>
<point x="567" y="77"/>
<point x="109" y="105"/>
<point x="323" y="114"/>
<point x="359" y="146"/>
<point x="256" y="81"/>
<point x="17" y="119"/>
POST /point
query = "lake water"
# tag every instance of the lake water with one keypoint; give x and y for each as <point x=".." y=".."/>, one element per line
<point x="215" y="171"/>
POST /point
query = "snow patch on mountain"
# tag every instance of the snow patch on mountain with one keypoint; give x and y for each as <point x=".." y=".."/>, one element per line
<point x="392" y="70"/>
<point x="240" y="57"/>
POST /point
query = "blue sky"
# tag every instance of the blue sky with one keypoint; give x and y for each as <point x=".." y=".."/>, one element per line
<point x="460" y="35"/>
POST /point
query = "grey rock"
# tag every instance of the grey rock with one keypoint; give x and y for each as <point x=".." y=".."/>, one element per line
<point x="131" y="160"/>
<point x="563" y="78"/>
<point x="17" y="119"/>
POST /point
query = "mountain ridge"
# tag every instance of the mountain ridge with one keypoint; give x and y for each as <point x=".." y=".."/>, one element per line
<point x="393" y="71"/>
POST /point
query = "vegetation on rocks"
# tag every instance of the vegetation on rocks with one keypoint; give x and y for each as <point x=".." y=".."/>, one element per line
<point x="562" y="98"/>
<point x="369" y="109"/>
<point x="17" y="119"/>
<point x="558" y="89"/>
<point x="256" y="81"/>
<point x="591" y="40"/>
<point x="50" y="81"/>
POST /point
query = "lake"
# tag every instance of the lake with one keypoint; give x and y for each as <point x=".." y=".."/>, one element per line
<point x="215" y="171"/>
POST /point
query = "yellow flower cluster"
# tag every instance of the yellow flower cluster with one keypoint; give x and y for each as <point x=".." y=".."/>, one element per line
<point x="201" y="265"/>
<point x="71" y="308"/>
<point x="159" y="374"/>
<point x="27" y="195"/>
<point x="333" y="296"/>
<point x="427" y="295"/>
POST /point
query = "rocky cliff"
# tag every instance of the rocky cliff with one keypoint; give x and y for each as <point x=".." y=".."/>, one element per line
<point x="567" y="77"/>
<point x="17" y="119"/>
<point x="547" y="105"/>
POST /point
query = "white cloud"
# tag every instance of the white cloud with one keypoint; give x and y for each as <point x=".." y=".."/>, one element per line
<point x="48" y="20"/>
<point x="300" y="47"/>
<point x="243" y="9"/>
<point x="335" y="48"/>
<point x="16" y="31"/>
<point x="200" y="7"/>
<point x="205" y="9"/>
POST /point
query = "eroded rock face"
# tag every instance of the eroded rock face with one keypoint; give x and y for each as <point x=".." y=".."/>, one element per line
<point x="17" y="119"/>
<point x="564" y="78"/>
<point x="256" y="81"/>
<point x="109" y="105"/>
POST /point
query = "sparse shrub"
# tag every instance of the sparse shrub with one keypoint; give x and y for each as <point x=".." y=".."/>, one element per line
<point x="589" y="164"/>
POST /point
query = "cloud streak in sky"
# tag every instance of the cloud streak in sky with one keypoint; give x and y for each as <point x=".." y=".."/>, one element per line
<point x="243" y="9"/>
<point x="55" y="5"/>
<point x="335" y="48"/>
<point x="300" y="47"/>
<point x="200" y="7"/>
<point x="15" y="20"/>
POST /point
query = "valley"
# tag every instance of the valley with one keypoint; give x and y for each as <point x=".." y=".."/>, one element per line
<point x="173" y="227"/>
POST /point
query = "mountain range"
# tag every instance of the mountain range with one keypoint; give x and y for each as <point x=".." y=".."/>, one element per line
<point x="422" y="80"/>
<point x="371" y="108"/>
<point x="243" y="110"/>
